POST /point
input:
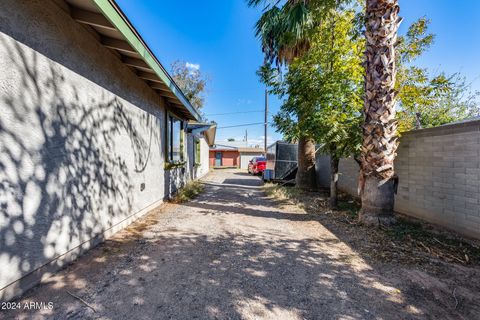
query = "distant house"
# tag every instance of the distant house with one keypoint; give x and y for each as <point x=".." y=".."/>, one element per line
<point x="232" y="156"/>
<point x="94" y="133"/>
<point x="223" y="156"/>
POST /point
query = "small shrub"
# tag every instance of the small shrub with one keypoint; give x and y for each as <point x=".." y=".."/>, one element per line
<point x="188" y="192"/>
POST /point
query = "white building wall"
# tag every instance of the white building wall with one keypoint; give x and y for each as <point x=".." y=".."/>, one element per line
<point x="81" y="143"/>
<point x="204" y="167"/>
<point x="197" y="171"/>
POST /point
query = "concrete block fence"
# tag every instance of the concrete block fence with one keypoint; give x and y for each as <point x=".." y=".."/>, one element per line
<point x="439" y="176"/>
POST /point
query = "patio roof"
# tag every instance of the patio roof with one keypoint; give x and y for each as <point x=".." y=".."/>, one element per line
<point x="208" y="129"/>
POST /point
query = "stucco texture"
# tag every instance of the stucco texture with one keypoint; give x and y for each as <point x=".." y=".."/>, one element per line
<point x="81" y="142"/>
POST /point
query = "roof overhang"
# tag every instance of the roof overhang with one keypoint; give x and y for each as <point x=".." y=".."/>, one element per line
<point x="253" y="151"/>
<point x="209" y="130"/>
<point x="197" y="127"/>
<point x="223" y="150"/>
<point x="210" y="135"/>
<point x="114" y="31"/>
<point x="219" y="147"/>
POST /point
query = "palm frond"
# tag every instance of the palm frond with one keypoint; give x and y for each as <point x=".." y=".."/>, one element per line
<point x="283" y="31"/>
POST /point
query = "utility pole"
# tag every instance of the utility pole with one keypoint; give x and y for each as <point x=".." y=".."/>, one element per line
<point x="266" y="119"/>
<point x="246" y="138"/>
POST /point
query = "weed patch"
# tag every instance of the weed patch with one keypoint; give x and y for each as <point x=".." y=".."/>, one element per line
<point x="188" y="192"/>
<point x="409" y="241"/>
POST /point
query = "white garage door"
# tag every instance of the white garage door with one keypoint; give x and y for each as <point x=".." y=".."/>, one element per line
<point x="245" y="158"/>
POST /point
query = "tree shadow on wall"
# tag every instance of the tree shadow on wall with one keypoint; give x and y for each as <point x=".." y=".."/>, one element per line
<point x="63" y="181"/>
<point x="174" y="180"/>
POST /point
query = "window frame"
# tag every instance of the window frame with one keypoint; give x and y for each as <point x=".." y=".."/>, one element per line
<point x="169" y="142"/>
<point x="196" y="151"/>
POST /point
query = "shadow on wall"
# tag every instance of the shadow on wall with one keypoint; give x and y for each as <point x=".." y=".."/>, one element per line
<point x="62" y="183"/>
<point x="174" y="179"/>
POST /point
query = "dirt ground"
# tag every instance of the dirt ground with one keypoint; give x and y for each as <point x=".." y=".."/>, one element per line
<point x="234" y="253"/>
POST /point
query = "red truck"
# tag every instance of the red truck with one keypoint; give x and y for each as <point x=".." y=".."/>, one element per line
<point x="257" y="165"/>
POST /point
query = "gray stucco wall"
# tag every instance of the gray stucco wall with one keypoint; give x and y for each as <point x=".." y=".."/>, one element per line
<point x="81" y="143"/>
<point x="347" y="173"/>
<point x="439" y="176"/>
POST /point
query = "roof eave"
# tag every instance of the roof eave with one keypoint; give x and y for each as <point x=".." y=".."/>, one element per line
<point x="118" y="19"/>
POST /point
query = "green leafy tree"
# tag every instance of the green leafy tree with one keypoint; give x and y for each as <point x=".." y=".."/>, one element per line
<point x="191" y="81"/>
<point x="323" y="90"/>
<point x="285" y="30"/>
<point x="336" y="57"/>
<point x="425" y="100"/>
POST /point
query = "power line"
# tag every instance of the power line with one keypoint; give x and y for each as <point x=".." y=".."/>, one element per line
<point x="243" y="125"/>
<point x="221" y="114"/>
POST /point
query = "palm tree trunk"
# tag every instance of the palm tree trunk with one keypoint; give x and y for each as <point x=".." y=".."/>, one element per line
<point x="306" y="178"/>
<point x="333" y="200"/>
<point x="380" y="127"/>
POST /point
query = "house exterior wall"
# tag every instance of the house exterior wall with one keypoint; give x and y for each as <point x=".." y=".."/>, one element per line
<point x="81" y="143"/>
<point x="197" y="171"/>
<point x="204" y="168"/>
<point x="229" y="158"/>
<point x="439" y="176"/>
<point x="211" y="158"/>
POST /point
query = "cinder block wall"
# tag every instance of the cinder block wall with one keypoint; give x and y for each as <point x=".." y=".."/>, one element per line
<point x="81" y="143"/>
<point x="439" y="176"/>
<point x="438" y="171"/>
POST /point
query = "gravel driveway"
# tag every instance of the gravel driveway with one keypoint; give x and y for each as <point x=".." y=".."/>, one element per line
<point x="228" y="254"/>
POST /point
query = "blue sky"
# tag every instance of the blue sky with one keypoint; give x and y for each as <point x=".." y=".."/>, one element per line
<point x="218" y="36"/>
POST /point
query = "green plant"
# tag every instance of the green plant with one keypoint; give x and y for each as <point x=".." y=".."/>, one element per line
<point x="173" y="165"/>
<point x="188" y="192"/>
<point x="322" y="91"/>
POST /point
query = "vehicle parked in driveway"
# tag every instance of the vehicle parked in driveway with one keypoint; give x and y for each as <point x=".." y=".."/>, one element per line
<point x="257" y="165"/>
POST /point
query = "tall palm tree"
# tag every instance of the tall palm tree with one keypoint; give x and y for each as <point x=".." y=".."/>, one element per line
<point x="284" y="35"/>
<point x="283" y="32"/>
<point x="377" y="182"/>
